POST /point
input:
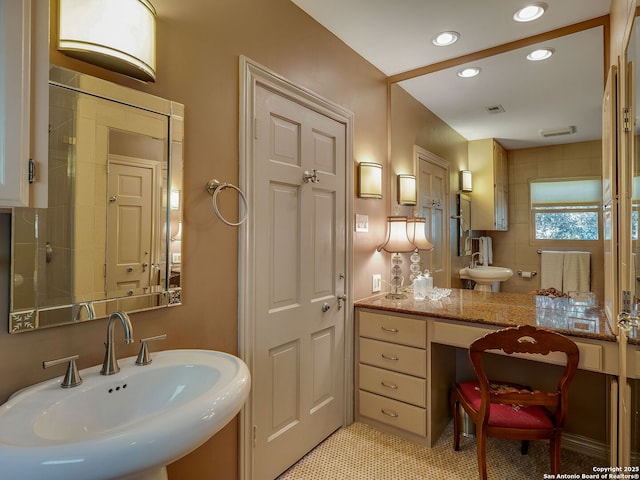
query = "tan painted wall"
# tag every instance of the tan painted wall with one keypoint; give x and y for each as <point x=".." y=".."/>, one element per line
<point x="199" y="43"/>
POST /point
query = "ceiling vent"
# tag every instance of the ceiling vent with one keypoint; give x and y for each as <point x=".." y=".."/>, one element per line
<point x="554" y="132"/>
<point x="495" y="109"/>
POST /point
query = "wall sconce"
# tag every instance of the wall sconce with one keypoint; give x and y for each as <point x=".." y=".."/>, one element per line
<point x="119" y="35"/>
<point x="466" y="181"/>
<point x="369" y="180"/>
<point x="174" y="199"/>
<point x="407" y="194"/>
<point x="397" y="242"/>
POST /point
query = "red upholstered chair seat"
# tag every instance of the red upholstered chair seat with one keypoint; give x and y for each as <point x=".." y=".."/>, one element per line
<point x="508" y="416"/>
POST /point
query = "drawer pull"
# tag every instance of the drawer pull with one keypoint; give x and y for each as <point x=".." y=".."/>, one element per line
<point x="389" y="385"/>
<point x="389" y="413"/>
<point x="389" y="330"/>
<point x="389" y="357"/>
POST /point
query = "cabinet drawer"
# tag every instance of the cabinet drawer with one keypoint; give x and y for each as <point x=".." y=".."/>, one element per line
<point x="398" y="414"/>
<point x="394" y="357"/>
<point x="407" y="331"/>
<point x="392" y="384"/>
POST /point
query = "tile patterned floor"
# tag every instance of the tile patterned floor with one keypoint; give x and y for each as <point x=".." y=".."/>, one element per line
<point x="360" y="452"/>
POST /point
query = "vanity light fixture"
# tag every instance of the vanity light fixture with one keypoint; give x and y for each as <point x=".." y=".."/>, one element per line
<point x="444" y="39"/>
<point x="466" y="181"/>
<point x="174" y="200"/>
<point x="396" y="242"/>
<point x="118" y="35"/>
<point x="530" y="12"/>
<point x="469" y="72"/>
<point x="369" y="180"/>
<point x="407" y="194"/>
<point x="540" y="54"/>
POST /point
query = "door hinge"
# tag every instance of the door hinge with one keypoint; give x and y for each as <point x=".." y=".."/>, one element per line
<point x="32" y="171"/>
<point x="626" y="119"/>
<point x="254" y="436"/>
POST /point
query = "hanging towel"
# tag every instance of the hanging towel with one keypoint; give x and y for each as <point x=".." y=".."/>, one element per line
<point x="486" y="250"/>
<point x="551" y="268"/>
<point x="576" y="272"/>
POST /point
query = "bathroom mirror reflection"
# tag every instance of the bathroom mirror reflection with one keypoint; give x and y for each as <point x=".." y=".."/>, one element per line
<point x="464" y="224"/>
<point x="111" y="236"/>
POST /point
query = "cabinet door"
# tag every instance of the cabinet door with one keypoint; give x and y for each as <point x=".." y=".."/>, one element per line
<point x="23" y="98"/>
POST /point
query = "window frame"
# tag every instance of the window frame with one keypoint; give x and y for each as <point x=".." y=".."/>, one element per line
<point x="557" y="208"/>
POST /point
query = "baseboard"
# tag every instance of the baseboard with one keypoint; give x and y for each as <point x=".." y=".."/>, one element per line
<point x="585" y="445"/>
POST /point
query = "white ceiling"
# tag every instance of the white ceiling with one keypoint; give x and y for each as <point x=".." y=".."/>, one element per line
<point x="565" y="90"/>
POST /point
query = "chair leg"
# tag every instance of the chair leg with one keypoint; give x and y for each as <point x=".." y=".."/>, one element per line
<point x="524" y="448"/>
<point x="455" y="405"/>
<point x="481" y="447"/>
<point x="554" y="451"/>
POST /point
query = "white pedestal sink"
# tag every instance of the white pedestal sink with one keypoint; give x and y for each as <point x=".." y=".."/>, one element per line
<point x="485" y="276"/>
<point x="124" y="426"/>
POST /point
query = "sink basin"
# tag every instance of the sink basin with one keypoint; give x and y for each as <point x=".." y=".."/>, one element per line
<point x="129" y="425"/>
<point x="485" y="276"/>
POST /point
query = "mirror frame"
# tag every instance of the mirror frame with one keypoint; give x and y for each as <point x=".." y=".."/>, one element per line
<point x="25" y="320"/>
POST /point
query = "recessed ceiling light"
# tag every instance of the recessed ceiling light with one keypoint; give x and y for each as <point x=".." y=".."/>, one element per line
<point x="540" y="54"/>
<point x="444" y="39"/>
<point x="530" y="12"/>
<point x="469" y="72"/>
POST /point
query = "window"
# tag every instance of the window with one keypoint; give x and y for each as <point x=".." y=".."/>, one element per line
<point x="566" y="208"/>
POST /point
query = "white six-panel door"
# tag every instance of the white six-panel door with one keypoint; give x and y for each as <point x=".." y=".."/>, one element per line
<point x="300" y="269"/>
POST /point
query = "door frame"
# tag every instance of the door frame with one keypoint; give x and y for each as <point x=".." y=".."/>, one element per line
<point x="253" y="74"/>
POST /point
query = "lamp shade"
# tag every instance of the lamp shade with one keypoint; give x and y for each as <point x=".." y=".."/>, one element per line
<point x="407" y="194"/>
<point x="417" y="233"/>
<point x="369" y="180"/>
<point x="119" y="35"/>
<point x="397" y="240"/>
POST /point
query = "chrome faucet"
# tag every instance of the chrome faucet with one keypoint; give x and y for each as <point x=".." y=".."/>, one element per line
<point x="88" y="306"/>
<point x="474" y="264"/>
<point x="110" y="364"/>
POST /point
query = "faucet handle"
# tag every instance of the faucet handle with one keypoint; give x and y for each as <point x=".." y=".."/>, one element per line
<point x="144" y="358"/>
<point x="72" y="376"/>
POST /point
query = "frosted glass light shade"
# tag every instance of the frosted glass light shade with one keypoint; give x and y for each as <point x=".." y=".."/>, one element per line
<point x="369" y="180"/>
<point x="417" y="233"/>
<point x="407" y="194"/>
<point x="466" y="183"/>
<point x="397" y="240"/>
<point x="119" y="35"/>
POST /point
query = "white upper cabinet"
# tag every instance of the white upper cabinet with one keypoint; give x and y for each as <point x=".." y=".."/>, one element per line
<point x="24" y="70"/>
<point x="490" y="196"/>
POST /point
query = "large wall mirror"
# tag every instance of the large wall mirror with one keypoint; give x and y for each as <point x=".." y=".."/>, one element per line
<point x="511" y="100"/>
<point x="110" y="238"/>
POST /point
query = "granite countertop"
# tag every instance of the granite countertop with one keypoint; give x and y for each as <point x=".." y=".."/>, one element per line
<point x="505" y="309"/>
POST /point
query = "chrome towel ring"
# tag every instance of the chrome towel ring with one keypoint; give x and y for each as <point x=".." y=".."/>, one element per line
<point x="214" y="187"/>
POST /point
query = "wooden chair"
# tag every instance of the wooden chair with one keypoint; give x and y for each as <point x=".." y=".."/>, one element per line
<point x="508" y="410"/>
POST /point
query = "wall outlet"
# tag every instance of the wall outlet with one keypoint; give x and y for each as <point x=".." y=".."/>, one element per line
<point x="376" y="282"/>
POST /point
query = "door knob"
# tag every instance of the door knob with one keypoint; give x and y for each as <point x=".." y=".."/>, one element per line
<point x="325" y="307"/>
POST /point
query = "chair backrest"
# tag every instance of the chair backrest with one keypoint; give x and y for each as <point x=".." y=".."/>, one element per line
<point x="532" y="340"/>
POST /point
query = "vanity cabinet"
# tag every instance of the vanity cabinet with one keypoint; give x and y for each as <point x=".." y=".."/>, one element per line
<point x="24" y="71"/>
<point x="391" y="374"/>
<point x="490" y="196"/>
